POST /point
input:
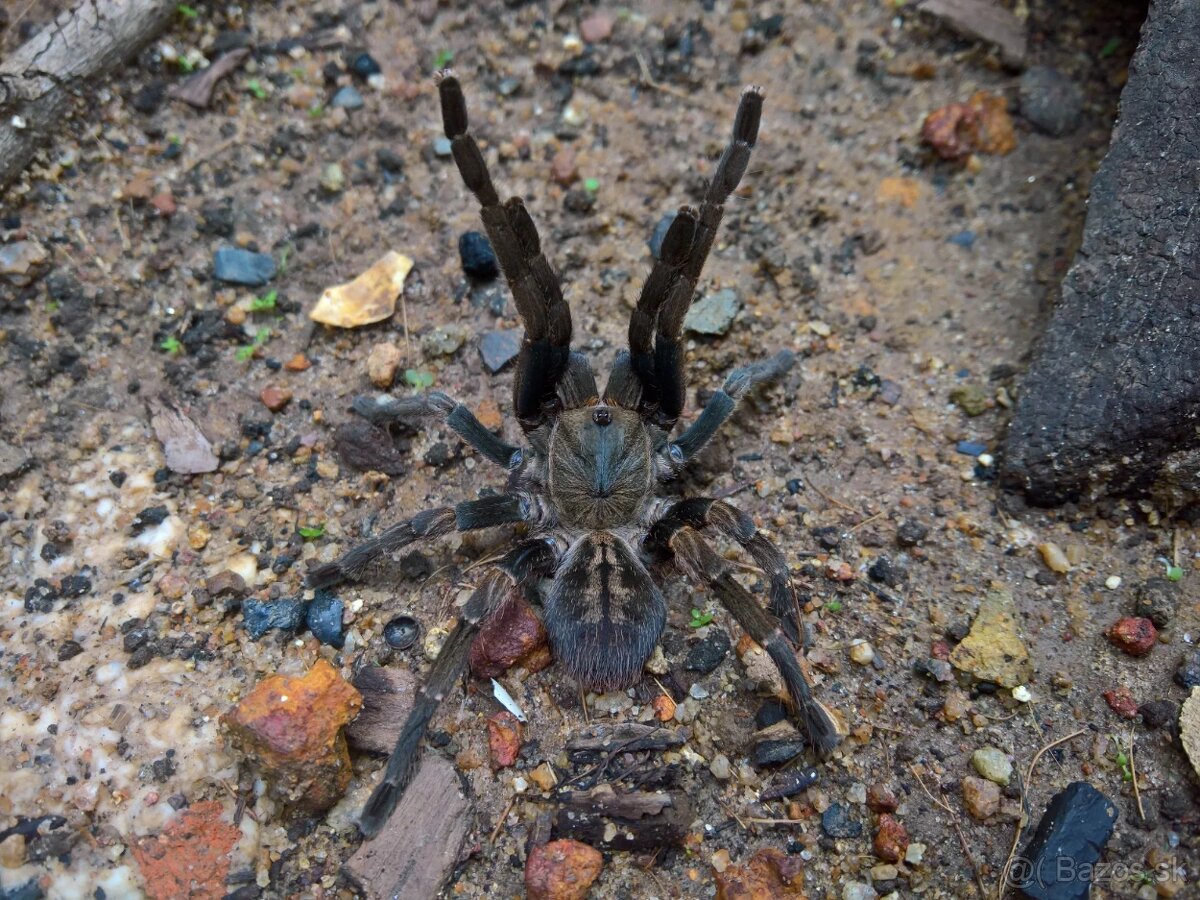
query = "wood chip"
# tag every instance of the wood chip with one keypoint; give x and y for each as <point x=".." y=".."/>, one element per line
<point x="637" y="820"/>
<point x="197" y="89"/>
<point x="184" y="445"/>
<point x="628" y="737"/>
<point x="983" y="20"/>
<point x="417" y="850"/>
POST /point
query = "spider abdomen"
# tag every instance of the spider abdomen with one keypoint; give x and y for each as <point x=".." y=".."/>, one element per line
<point x="604" y="613"/>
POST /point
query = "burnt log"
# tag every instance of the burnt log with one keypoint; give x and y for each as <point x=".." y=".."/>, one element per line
<point x="1111" y="403"/>
<point x="637" y="820"/>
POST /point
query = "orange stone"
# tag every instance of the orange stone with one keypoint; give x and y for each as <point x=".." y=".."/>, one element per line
<point x="891" y="840"/>
<point x="191" y="856"/>
<point x="275" y="398"/>
<point x="664" y="708"/>
<point x="902" y="191"/>
<point x="561" y="870"/>
<point x="291" y="729"/>
<point x="504" y="739"/>
<point x="298" y="363"/>
<point x="769" y="874"/>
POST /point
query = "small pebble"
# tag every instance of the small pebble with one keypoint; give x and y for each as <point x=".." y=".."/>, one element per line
<point x="857" y="890"/>
<point x="862" y="652"/>
<point x="720" y="767"/>
<point x="993" y="764"/>
<point x="275" y="398"/>
<point x="236" y="266"/>
<point x="441" y="147"/>
<point x="1112" y="582"/>
<point x="837" y="822"/>
<point x="333" y="179"/>
<point x="697" y="691"/>
<point x="478" y="258"/>
<point x="981" y="797"/>
<point x="499" y="348"/>
<point x="714" y="313"/>
<point x="324" y="619"/>
<point x="1054" y="557"/>
<point x="704" y="656"/>
<point x="347" y="98"/>
<point x="364" y="66"/>
<point x="660" y="234"/>
<point x="261" y="616"/>
<point x="1135" y="635"/>
<point x="382" y="363"/>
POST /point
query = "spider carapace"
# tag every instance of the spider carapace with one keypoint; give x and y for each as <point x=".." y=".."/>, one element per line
<point x="585" y="484"/>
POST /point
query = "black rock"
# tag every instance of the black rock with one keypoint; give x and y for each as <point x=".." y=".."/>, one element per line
<point x="1159" y="713"/>
<point x="790" y="783"/>
<point x="1156" y="600"/>
<point x="75" y="586"/>
<point x="237" y="266"/>
<point x="368" y="448"/>
<point x="40" y="598"/>
<point x="69" y="650"/>
<point x="777" y="752"/>
<point x="439" y="455"/>
<point x="389" y="160"/>
<point x="794" y="486"/>
<point x="149" y="517"/>
<point x="364" y="66"/>
<point x="1067" y="844"/>
<point x="259" y="616"/>
<point x="499" y="348"/>
<point x="324" y="618"/>
<point x="401" y="632"/>
<point x="706" y="655"/>
<point x="837" y="823"/>
<point x="769" y="713"/>
<point x="885" y="572"/>
<point x="911" y="533"/>
<point x="828" y="537"/>
<point x="1187" y="675"/>
<point x="148" y="100"/>
<point x="478" y="258"/>
<point x="1050" y="100"/>
<point x="660" y="234"/>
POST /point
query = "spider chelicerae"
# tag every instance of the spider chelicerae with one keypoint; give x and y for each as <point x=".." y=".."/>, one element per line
<point x="585" y="484"/>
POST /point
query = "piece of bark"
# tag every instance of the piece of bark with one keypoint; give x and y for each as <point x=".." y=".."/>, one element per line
<point x="388" y="695"/>
<point x="637" y="820"/>
<point x="186" y="449"/>
<point x="625" y="737"/>
<point x="983" y="20"/>
<point x="39" y="81"/>
<point x="1111" y="402"/>
<point x="418" y="848"/>
<point x="197" y="89"/>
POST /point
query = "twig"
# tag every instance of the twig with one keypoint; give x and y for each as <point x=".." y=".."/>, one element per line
<point x="500" y="821"/>
<point x="835" y="501"/>
<point x="404" y="316"/>
<point x="962" y="838"/>
<point x="868" y="521"/>
<point x="1137" y="794"/>
<point x="1012" y="852"/>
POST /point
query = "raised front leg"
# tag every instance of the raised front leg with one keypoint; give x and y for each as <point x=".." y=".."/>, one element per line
<point x="520" y="566"/>
<point x="384" y="409"/>
<point x="432" y="523"/>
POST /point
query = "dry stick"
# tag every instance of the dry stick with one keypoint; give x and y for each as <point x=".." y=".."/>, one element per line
<point x="962" y="839"/>
<point x="1012" y="853"/>
<point x="867" y="521"/>
<point x="500" y="821"/>
<point x="1137" y="794"/>
<point x="835" y="501"/>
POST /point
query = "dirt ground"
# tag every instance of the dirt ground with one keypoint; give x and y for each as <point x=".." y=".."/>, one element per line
<point x="896" y="277"/>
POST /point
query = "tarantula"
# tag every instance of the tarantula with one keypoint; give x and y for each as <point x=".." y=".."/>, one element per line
<point x="585" y="486"/>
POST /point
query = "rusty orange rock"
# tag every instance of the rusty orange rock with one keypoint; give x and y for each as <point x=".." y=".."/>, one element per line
<point x="504" y="739"/>
<point x="561" y="870"/>
<point x="769" y="874"/>
<point x="982" y="124"/>
<point x="995" y="135"/>
<point x="891" y="840"/>
<point x="191" y="856"/>
<point x="290" y="728"/>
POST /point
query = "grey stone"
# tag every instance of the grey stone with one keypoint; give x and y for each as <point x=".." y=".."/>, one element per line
<point x="499" y="348"/>
<point x="713" y="313"/>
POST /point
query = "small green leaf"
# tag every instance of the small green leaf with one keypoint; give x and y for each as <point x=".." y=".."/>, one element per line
<point x="171" y="345"/>
<point x="1111" y="47"/>
<point x="188" y="12"/>
<point x="312" y="532"/>
<point x="244" y="353"/>
<point x="591" y="185"/>
<point x="700" y="619"/>
<point x="443" y="59"/>
<point x="255" y="87"/>
<point x="1174" y="573"/>
<point x="185" y="64"/>
<point x="283" y="257"/>
<point x="316" y="111"/>
<point x="834" y="606"/>
<point x="264" y="303"/>
<point x="418" y="378"/>
<point x="260" y="337"/>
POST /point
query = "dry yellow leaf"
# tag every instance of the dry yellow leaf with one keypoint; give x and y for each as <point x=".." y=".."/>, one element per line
<point x="371" y="297"/>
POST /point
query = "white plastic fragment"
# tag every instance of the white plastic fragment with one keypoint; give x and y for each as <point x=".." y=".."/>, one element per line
<point x="1021" y="694"/>
<point x="507" y="701"/>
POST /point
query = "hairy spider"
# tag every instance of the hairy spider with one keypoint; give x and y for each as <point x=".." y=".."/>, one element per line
<point x="585" y="486"/>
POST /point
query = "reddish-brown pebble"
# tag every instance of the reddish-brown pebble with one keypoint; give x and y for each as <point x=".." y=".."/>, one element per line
<point x="562" y="168"/>
<point x="514" y="634"/>
<point x="191" y="856"/>
<point x="275" y="398"/>
<point x="297" y="363"/>
<point x="1134" y="635"/>
<point x="561" y="870"/>
<point x="766" y="875"/>
<point x="881" y="798"/>
<point x="596" y="27"/>
<point x="1121" y="701"/>
<point x="664" y="708"/>
<point x="981" y="797"/>
<point x="891" y="840"/>
<point x="164" y="203"/>
<point x="504" y="739"/>
<point x="940" y="650"/>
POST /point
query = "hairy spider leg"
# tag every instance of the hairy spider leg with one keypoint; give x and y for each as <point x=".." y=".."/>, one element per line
<point x="386" y="410"/>
<point x="522" y="565"/>
<point x="675" y="535"/>
<point x="668" y="292"/>
<point x="535" y="288"/>
<point x="469" y="515"/>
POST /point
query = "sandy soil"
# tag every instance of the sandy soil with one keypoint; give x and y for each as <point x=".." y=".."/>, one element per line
<point x="838" y="246"/>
